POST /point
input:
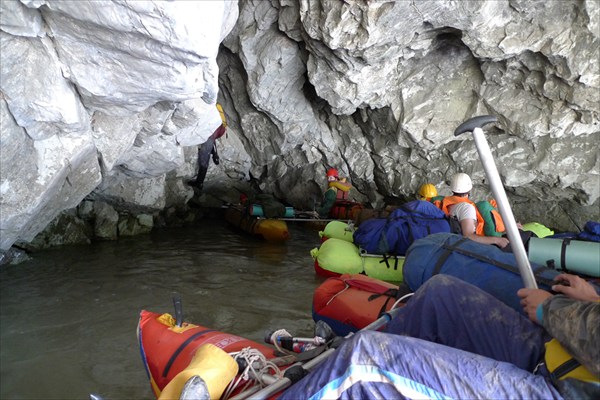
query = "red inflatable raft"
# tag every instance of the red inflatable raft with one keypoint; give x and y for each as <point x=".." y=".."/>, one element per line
<point x="350" y="302"/>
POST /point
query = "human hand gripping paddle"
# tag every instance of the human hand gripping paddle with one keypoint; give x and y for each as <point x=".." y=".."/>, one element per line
<point x="485" y="154"/>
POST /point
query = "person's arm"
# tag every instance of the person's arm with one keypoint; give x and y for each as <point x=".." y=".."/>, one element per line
<point x="328" y="202"/>
<point x="576" y="325"/>
<point x="574" y="321"/>
<point x="468" y="226"/>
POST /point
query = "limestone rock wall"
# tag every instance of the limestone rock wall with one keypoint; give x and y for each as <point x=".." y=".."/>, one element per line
<point x="102" y="99"/>
<point x="377" y="89"/>
<point x="107" y="101"/>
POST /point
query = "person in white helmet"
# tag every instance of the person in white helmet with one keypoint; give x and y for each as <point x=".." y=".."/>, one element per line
<point x="460" y="207"/>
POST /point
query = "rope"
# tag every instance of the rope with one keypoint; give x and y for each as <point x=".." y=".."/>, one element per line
<point x="338" y="293"/>
<point x="350" y="227"/>
<point x="275" y="342"/>
<point x="406" y="296"/>
<point x="255" y="362"/>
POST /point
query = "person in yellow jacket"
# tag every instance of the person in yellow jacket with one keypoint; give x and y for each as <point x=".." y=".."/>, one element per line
<point x="208" y="149"/>
<point x="336" y="203"/>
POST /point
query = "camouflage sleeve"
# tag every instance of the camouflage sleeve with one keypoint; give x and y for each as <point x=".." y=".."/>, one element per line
<point x="576" y="325"/>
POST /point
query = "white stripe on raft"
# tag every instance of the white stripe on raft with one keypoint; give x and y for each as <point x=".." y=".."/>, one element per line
<point x="356" y="374"/>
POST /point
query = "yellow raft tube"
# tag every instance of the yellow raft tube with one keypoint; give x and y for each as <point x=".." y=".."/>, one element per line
<point x="270" y="229"/>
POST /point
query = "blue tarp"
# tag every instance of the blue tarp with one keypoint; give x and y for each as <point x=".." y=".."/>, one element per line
<point x="376" y="365"/>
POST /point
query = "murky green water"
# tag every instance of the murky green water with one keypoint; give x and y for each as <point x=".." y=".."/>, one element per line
<point x="68" y="317"/>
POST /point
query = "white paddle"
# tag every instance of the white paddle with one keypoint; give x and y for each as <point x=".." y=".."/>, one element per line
<point x="485" y="154"/>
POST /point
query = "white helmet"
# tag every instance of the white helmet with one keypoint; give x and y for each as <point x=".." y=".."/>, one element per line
<point x="461" y="183"/>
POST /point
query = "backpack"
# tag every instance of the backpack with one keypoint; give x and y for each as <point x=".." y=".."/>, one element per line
<point x="493" y="223"/>
<point x="409" y="222"/>
<point x="591" y="232"/>
<point x="481" y="265"/>
<point x="368" y="236"/>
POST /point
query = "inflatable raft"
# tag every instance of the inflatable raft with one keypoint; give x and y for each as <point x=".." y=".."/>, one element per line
<point x="350" y="302"/>
<point x="172" y="354"/>
<point x="270" y="229"/>
<point x="339" y="230"/>
<point x="338" y="256"/>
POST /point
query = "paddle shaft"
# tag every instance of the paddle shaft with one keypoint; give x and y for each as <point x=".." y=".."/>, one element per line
<point x="505" y="211"/>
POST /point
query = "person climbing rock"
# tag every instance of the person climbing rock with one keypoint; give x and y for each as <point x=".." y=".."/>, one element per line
<point x="208" y="149"/>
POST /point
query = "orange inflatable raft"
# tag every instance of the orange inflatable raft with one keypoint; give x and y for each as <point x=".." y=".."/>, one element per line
<point x="270" y="229"/>
<point x="350" y="302"/>
<point x="172" y="354"/>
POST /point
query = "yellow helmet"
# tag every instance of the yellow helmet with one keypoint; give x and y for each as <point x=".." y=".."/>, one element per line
<point x="427" y="191"/>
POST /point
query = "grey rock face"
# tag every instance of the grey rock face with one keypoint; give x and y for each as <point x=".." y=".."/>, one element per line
<point x="107" y="101"/>
<point x="88" y="91"/>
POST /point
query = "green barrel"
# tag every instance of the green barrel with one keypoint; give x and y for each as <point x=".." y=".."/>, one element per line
<point x="577" y="256"/>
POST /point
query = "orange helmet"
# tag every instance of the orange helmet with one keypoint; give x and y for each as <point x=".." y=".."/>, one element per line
<point x="332" y="172"/>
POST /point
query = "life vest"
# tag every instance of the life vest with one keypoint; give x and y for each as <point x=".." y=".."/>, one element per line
<point x="444" y="203"/>
<point x="561" y="365"/>
<point x="342" y="190"/>
<point x="343" y="208"/>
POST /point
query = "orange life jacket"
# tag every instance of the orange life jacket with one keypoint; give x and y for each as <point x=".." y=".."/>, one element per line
<point x="445" y="203"/>
<point x="343" y="208"/>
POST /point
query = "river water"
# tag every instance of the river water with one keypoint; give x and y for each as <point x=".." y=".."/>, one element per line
<point x="68" y="317"/>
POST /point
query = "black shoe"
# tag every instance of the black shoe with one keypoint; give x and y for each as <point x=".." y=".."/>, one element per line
<point x="194" y="183"/>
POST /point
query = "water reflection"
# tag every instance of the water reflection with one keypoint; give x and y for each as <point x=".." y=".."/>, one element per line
<point x="68" y="317"/>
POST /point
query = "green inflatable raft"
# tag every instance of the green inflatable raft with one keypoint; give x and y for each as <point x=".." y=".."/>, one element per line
<point x="338" y="230"/>
<point x="338" y="256"/>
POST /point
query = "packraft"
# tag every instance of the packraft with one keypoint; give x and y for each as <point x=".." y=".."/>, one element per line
<point x="344" y="209"/>
<point x="270" y="229"/>
<point x="337" y="256"/>
<point x="169" y="349"/>
<point x="404" y="225"/>
<point x="352" y="301"/>
<point x="377" y="365"/>
<point x="485" y="266"/>
<point x="339" y="230"/>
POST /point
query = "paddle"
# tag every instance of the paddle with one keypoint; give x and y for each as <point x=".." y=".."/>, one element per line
<point x="178" y="309"/>
<point x="285" y="382"/>
<point x="485" y="154"/>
